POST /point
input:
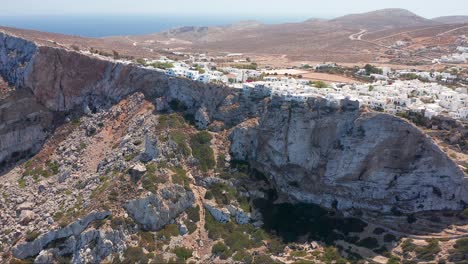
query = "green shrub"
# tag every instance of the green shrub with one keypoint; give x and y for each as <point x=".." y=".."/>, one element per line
<point x="31" y="235"/>
<point x="243" y="256"/>
<point x="180" y="177"/>
<point x="167" y="232"/>
<point x="459" y="252"/>
<point x="408" y="246"/>
<point x="193" y="213"/>
<point x="222" y="193"/>
<point x="202" y="151"/>
<point x="180" y="138"/>
<point x="22" y="183"/>
<point x="428" y="252"/>
<point x="393" y="260"/>
<point x="135" y="255"/>
<point x="219" y="248"/>
<point x="183" y="253"/>
<point x="464" y="214"/>
<point x="264" y="259"/>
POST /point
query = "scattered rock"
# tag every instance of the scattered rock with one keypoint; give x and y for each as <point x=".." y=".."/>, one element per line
<point x="221" y="215"/>
<point x="157" y="210"/>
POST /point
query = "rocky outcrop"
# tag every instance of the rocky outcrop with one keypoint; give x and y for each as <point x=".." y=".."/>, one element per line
<point x="157" y="210"/>
<point x="24" y="126"/>
<point x="339" y="157"/>
<point x="33" y="248"/>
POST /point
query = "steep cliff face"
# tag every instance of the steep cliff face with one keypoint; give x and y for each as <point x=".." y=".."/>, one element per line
<point x="24" y="125"/>
<point x="330" y="154"/>
<point x="337" y="156"/>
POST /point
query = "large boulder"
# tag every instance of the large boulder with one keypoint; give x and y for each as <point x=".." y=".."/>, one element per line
<point x="33" y="248"/>
<point x="221" y="215"/>
<point x="156" y="210"/>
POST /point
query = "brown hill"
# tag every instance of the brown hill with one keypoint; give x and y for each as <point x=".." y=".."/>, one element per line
<point x="383" y="19"/>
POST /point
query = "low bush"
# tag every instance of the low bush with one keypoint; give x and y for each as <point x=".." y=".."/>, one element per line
<point x="135" y="255"/>
<point x="167" y="232"/>
<point x="428" y="252"/>
<point x="459" y="252"/>
<point x="183" y="253"/>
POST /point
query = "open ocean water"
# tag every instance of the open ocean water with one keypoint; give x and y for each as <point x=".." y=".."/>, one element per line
<point x="102" y="26"/>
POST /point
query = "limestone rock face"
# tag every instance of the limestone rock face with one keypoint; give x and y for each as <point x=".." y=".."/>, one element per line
<point x="24" y="126"/>
<point x="157" y="210"/>
<point x="202" y="120"/>
<point x="33" y="248"/>
<point x="339" y="157"/>
<point x="221" y="215"/>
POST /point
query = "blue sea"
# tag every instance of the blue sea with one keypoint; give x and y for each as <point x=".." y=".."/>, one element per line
<point x="102" y="26"/>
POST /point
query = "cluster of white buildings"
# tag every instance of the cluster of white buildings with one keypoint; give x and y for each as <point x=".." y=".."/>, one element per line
<point x="460" y="57"/>
<point x="429" y="99"/>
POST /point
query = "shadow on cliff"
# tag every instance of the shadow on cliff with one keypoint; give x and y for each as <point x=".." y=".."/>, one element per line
<point x="372" y="232"/>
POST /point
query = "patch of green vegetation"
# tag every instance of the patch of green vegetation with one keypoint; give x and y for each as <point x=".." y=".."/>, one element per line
<point x="393" y="260"/>
<point x="459" y="253"/>
<point x="180" y="138"/>
<point x="202" y="151"/>
<point x="299" y="254"/>
<point x="167" y="232"/>
<point x="31" y="235"/>
<point x="251" y="66"/>
<point x="319" y="84"/>
<point x="264" y="259"/>
<point x="193" y="214"/>
<point x="331" y="255"/>
<point x="53" y="166"/>
<point x="371" y="69"/>
<point x="408" y="246"/>
<point x="82" y="146"/>
<point x="151" y="180"/>
<point x="223" y="194"/>
<point x="219" y="249"/>
<point x="183" y="253"/>
<point x="243" y="256"/>
<point x="464" y="213"/>
<point x="135" y="255"/>
<point x="161" y="65"/>
<point x="22" y="183"/>
<point x="180" y="177"/>
<point x="429" y="251"/>
<point x="130" y="157"/>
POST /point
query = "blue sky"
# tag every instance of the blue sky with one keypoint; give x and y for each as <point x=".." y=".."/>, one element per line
<point x="243" y="8"/>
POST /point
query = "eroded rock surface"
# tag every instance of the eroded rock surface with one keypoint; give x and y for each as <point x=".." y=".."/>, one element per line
<point x="157" y="210"/>
<point x="339" y="157"/>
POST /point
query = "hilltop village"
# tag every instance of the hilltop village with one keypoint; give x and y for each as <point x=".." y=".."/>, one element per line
<point x="383" y="89"/>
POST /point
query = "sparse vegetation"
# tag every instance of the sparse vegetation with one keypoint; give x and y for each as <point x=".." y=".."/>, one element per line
<point x="183" y="253"/>
<point x="167" y="232"/>
<point x="202" y="151"/>
<point x="459" y="253"/>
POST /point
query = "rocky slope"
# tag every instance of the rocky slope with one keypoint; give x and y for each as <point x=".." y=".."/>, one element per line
<point x="385" y="161"/>
<point x="118" y="174"/>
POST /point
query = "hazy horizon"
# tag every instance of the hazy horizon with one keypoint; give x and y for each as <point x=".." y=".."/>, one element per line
<point x="125" y="17"/>
<point x="249" y="9"/>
